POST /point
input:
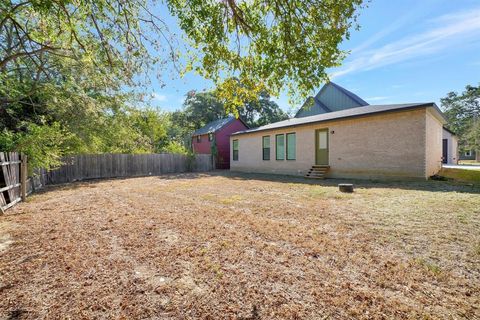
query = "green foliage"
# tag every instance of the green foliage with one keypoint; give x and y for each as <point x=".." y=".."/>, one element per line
<point x="43" y="144"/>
<point x="213" y="147"/>
<point x="200" y="108"/>
<point x="463" y="116"/>
<point x="175" y="147"/>
<point x="250" y="46"/>
<point x="261" y="111"/>
<point x="71" y="72"/>
<point x="472" y="136"/>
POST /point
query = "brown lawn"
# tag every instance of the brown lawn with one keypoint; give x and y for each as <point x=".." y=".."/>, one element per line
<point x="242" y="247"/>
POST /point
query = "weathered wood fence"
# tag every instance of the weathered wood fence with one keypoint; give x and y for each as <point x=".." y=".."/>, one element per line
<point x="92" y="166"/>
<point x="97" y="166"/>
<point x="13" y="175"/>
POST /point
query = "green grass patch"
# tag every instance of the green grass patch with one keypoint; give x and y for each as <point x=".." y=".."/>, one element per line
<point x="461" y="174"/>
<point x="429" y="266"/>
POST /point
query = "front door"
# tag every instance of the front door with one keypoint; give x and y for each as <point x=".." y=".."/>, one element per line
<point x="321" y="147"/>
<point x="445" y="151"/>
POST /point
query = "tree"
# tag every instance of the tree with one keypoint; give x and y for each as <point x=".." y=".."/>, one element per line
<point x="261" y="111"/>
<point x="77" y="67"/>
<point x="265" y="44"/>
<point x="201" y="108"/>
<point x="472" y="138"/>
<point x="463" y="116"/>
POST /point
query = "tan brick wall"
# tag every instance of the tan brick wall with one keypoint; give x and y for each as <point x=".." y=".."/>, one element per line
<point x="433" y="144"/>
<point x="377" y="146"/>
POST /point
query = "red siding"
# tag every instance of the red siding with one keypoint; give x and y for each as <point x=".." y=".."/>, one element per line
<point x="222" y="137"/>
<point x="202" y="147"/>
<point x="223" y="142"/>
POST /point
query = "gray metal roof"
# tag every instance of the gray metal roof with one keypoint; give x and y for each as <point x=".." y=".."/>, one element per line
<point x="342" y="114"/>
<point x="330" y="98"/>
<point x="351" y="95"/>
<point x="213" y="126"/>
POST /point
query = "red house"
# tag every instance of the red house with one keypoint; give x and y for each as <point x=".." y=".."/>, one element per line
<point x="215" y="136"/>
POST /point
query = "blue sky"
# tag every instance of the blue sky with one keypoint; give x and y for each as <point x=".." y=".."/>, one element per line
<point x="405" y="51"/>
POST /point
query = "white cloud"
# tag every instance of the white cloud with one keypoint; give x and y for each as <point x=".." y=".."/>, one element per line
<point x="378" y="98"/>
<point x="405" y="18"/>
<point x="447" y="31"/>
<point x="159" y="97"/>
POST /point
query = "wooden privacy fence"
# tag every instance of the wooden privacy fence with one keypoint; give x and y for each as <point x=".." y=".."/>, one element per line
<point x="13" y="176"/>
<point x="96" y="166"/>
<point x="90" y="166"/>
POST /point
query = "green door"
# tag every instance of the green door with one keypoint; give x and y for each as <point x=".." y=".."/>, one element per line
<point x="321" y="147"/>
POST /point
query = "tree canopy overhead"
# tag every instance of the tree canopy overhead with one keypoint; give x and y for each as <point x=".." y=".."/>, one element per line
<point x="245" y="47"/>
<point x="265" y="44"/>
<point x="72" y="71"/>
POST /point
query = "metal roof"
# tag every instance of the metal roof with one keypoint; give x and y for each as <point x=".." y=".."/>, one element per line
<point x="342" y="114"/>
<point x="330" y="101"/>
<point x="213" y="126"/>
<point x="350" y="94"/>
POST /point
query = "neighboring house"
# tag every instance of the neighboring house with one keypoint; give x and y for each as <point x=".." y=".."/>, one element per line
<point x="449" y="147"/>
<point x="468" y="155"/>
<point x="331" y="97"/>
<point x="214" y="137"/>
<point x="374" y="141"/>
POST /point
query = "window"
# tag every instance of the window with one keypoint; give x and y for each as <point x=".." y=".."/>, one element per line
<point x="210" y="136"/>
<point x="266" y="147"/>
<point x="280" y="146"/>
<point x="235" y="150"/>
<point x="199" y="139"/>
<point x="468" y="153"/>
<point x="291" y="146"/>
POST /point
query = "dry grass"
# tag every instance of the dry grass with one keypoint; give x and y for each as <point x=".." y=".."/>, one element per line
<point x="242" y="247"/>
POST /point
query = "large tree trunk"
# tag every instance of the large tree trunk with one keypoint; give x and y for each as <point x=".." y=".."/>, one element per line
<point x="477" y="155"/>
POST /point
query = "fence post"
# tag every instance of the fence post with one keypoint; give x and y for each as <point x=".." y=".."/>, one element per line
<point x="23" y="176"/>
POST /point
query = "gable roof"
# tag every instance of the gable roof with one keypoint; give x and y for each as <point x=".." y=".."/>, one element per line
<point x="216" y="125"/>
<point x="213" y="126"/>
<point x="342" y="114"/>
<point x="331" y="97"/>
<point x="350" y="94"/>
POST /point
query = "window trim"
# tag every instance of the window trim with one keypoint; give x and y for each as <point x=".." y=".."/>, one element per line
<point x="263" y="147"/>
<point x="276" y="147"/>
<point x="210" y="136"/>
<point x="468" y="153"/>
<point x="199" y="138"/>
<point x="286" y="146"/>
<point x="233" y="149"/>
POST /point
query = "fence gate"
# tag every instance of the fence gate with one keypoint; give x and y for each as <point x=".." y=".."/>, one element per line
<point x="12" y="173"/>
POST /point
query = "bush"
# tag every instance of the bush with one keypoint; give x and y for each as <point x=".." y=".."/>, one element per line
<point x="175" y="147"/>
<point x="43" y="144"/>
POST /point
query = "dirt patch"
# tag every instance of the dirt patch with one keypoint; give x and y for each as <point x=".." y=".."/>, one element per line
<point x="5" y="237"/>
<point x="226" y="246"/>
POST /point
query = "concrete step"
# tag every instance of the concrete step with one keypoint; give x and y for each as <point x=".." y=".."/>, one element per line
<point x="317" y="172"/>
<point x="314" y="177"/>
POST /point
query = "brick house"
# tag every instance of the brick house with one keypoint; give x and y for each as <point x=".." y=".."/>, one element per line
<point x="337" y="134"/>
